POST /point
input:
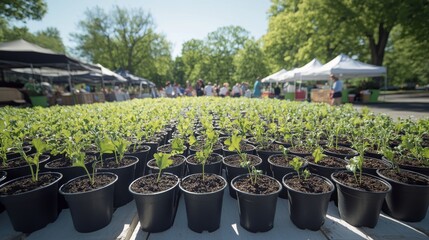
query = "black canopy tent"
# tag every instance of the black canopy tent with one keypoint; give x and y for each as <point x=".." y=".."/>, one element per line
<point x="22" y="54"/>
<point x="133" y="79"/>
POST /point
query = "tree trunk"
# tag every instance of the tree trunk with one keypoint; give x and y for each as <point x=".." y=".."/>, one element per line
<point x="378" y="49"/>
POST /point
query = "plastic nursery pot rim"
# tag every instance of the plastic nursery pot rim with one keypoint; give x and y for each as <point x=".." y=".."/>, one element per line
<point x="331" y="184"/>
<point x="254" y="194"/>
<point x="59" y="159"/>
<point x="29" y="176"/>
<point x="225" y="148"/>
<point x="85" y="176"/>
<point x="160" y="147"/>
<point x="195" y="193"/>
<point x="230" y="156"/>
<point x="3" y="175"/>
<point x="329" y="167"/>
<point x="46" y="158"/>
<point x="277" y="165"/>
<point x="125" y="156"/>
<point x="385" y="162"/>
<point x="156" y="167"/>
<point x="154" y="193"/>
<point x="196" y="164"/>
<point x="402" y="183"/>
<point x="146" y="148"/>
<point x="363" y="174"/>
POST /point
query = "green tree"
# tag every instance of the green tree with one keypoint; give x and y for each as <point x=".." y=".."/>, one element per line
<point x="324" y="28"/>
<point x="250" y="62"/>
<point x="125" y="39"/>
<point x="22" y="9"/>
<point x="195" y="59"/>
<point x="223" y="44"/>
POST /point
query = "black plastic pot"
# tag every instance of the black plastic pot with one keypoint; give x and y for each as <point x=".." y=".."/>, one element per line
<point x="264" y="155"/>
<point x="178" y="170"/>
<point x="125" y="176"/>
<point x="156" y="211"/>
<point x="2" y="178"/>
<point x="163" y="148"/>
<point x="24" y="170"/>
<point x="422" y="169"/>
<point x="373" y="171"/>
<point x="357" y="207"/>
<point x="91" y="210"/>
<point x="141" y="153"/>
<point x="226" y="152"/>
<point x="68" y="173"/>
<point x="278" y="172"/>
<point x="153" y="146"/>
<point x="233" y="171"/>
<point x="13" y="154"/>
<point x="308" y="210"/>
<point x="217" y="150"/>
<point x="32" y="210"/>
<point x="203" y="210"/>
<point x="256" y="211"/>
<point x="406" y="202"/>
<point x="339" y="155"/>
<point x="326" y="171"/>
<point x="214" y="168"/>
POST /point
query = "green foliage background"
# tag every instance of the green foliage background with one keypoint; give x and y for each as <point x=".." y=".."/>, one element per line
<point x="392" y="33"/>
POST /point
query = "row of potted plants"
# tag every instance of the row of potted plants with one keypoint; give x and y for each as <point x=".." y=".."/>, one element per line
<point x="278" y="132"/>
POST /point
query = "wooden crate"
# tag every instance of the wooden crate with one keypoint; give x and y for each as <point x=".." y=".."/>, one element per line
<point x="99" y="97"/>
<point x="320" y="95"/>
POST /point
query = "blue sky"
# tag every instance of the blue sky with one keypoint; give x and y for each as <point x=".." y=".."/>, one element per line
<point x="179" y="20"/>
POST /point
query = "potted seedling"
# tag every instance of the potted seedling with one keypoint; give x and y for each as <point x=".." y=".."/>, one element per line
<point x="265" y="147"/>
<point x="124" y="166"/>
<point x="156" y="196"/>
<point x="360" y="195"/>
<point x="31" y="201"/>
<point x="257" y="199"/>
<point x="203" y="191"/>
<point x="178" y="167"/>
<point x="280" y="166"/>
<point x="304" y="190"/>
<point x="238" y="163"/>
<point x="89" y="197"/>
<point x="409" y="199"/>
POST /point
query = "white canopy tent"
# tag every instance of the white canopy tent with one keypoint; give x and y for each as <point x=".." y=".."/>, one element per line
<point x="295" y="74"/>
<point x="344" y="67"/>
<point x="275" y="77"/>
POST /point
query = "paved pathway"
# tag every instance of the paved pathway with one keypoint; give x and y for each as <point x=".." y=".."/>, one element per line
<point x="414" y="105"/>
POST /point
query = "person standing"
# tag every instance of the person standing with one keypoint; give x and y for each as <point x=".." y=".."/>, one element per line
<point x="208" y="90"/>
<point x="236" y="90"/>
<point x="169" y="90"/>
<point x="257" y="89"/>
<point x="199" y="88"/>
<point x="337" y="88"/>
<point x="223" y="92"/>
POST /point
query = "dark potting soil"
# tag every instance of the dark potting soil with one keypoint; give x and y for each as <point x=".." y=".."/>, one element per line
<point x="409" y="161"/>
<point x="328" y="161"/>
<point x="368" y="184"/>
<point x="138" y="148"/>
<point x="200" y="144"/>
<point x="111" y="163"/>
<point x="66" y="162"/>
<point x="235" y="160"/>
<point x="26" y="184"/>
<point x="264" y="185"/>
<point x="177" y="160"/>
<point x="274" y="147"/>
<point x="341" y="150"/>
<point x="282" y="160"/>
<point x="84" y="184"/>
<point x="210" y="160"/>
<point x="374" y="163"/>
<point x="299" y="149"/>
<point x="312" y="184"/>
<point x="195" y="183"/>
<point x="166" y="148"/>
<point x="19" y="162"/>
<point x="148" y="184"/>
<point x="405" y="177"/>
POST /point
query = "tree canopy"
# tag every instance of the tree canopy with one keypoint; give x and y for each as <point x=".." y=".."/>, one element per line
<point x="22" y="9"/>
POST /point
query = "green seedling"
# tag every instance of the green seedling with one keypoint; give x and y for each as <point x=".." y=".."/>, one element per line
<point x="163" y="161"/>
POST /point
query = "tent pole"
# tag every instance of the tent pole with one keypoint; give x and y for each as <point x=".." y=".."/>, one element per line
<point x="385" y="86"/>
<point x="69" y="79"/>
